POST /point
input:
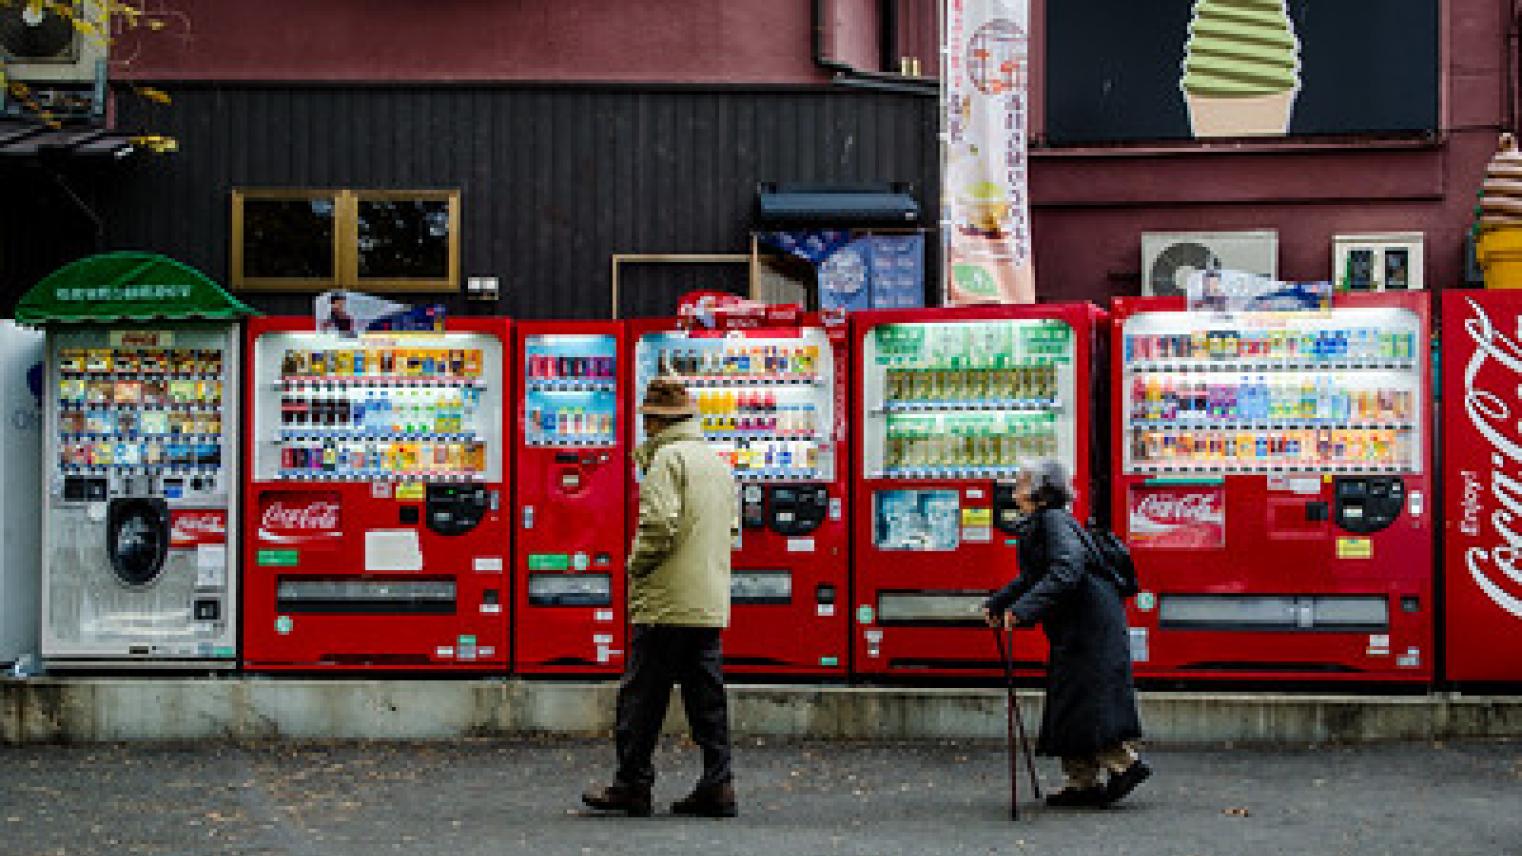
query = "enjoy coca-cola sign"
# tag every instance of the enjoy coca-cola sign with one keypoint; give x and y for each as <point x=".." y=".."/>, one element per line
<point x="1488" y="483"/>
<point x="190" y="528"/>
<point x="291" y="517"/>
<point x="1180" y="518"/>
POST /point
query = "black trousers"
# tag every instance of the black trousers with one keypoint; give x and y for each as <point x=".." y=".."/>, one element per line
<point x="660" y="656"/>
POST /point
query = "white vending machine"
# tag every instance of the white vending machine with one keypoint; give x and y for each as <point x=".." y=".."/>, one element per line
<point x="140" y="475"/>
<point x="21" y="371"/>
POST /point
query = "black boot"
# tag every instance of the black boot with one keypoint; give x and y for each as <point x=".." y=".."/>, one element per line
<point x="1125" y="782"/>
<point x="716" y="801"/>
<point x="1071" y="797"/>
<point x="629" y="799"/>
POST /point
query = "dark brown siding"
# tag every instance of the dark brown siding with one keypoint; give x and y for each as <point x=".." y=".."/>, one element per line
<point x="553" y="180"/>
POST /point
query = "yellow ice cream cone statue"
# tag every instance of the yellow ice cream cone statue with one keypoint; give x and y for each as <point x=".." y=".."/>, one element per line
<point x="1500" y="246"/>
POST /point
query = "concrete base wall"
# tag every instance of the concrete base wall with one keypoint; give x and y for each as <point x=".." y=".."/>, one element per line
<point x="111" y="709"/>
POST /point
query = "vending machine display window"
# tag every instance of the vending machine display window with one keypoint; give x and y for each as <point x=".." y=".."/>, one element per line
<point x="1288" y="392"/>
<point x="397" y="407"/>
<point x="571" y="395"/>
<point x="966" y="399"/>
<point x="764" y="399"/>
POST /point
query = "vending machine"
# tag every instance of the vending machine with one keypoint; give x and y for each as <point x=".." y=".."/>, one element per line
<point x="1272" y="479"/>
<point x="1482" y="486"/>
<point x="570" y="496"/>
<point x="140" y="465"/>
<point x="22" y="363"/>
<point x="948" y="404"/>
<point x="378" y="535"/>
<point x="770" y="384"/>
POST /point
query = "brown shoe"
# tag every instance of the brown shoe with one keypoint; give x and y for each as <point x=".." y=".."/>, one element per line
<point x="717" y="801"/>
<point x="631" y="800"/>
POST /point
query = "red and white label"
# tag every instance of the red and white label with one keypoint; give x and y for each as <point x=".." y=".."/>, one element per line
<point x="1178" y="518"/>
<point x="192" y="528"/>
<point x="1485" y="455"/>
<point x="296" y="517"/>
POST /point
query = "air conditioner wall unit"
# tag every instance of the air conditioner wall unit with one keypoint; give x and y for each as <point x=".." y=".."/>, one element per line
<point x="42" y="46"/>
<point x="1167" y="258"/>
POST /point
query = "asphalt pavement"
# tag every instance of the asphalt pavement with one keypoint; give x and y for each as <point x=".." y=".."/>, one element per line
<point x="521" y="796"/>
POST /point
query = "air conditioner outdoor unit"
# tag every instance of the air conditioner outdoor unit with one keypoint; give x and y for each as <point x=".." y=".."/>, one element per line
<point x="40" y="46"/>
<point x="1167" y="258"/>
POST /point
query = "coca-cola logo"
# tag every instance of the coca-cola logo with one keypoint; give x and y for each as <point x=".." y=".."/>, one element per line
<point x="291" y="519"/>
<point x="1177" y="518"/>
<point x="1494" y="568"/>
<point x="190" y="528"/>
<point x="1181" y="508"/>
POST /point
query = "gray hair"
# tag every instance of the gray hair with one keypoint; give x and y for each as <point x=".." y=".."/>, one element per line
<point x="1051" y="485"/>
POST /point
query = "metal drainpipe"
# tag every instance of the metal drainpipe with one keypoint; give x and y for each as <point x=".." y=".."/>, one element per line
<point x="1514" y="68"/>
<point x="849" y="75"/>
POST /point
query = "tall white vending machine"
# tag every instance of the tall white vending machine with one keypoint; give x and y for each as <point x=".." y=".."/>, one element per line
<point x="140" y="465"/>
<point x="21" y="360"/>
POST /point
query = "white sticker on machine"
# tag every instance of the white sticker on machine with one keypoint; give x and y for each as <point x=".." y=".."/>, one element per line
<point x="1379" y="645"/>
<point x="800" y="545"/>
<point x="603" y="615"/>
<point x="488" y="564"/>
<point x="1139" y="652"/>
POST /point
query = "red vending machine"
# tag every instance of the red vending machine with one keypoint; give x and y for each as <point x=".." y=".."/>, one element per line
<point x="948" y="403"/>
<point x="568" y="601"/>
<point x="1482" y="486"/>
<point x="376" y="519"/>
<point x="771" y="385"/>
<point x="1272" y="479"/>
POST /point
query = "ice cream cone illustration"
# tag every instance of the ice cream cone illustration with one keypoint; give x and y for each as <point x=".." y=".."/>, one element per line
<point x="1241" y="68"/>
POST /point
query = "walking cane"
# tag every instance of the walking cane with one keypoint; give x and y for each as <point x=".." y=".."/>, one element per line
<point x="1014" y="725"/>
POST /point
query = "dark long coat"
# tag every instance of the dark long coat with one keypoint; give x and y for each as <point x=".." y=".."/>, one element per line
<point x="1090" y="699"/>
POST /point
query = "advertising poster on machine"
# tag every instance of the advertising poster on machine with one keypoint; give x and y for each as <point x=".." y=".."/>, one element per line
<point x="985" y="204"/>
<point x="1482" y="364"/>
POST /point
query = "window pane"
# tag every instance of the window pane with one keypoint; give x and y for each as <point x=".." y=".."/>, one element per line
<point x="288" y="238"/>
<point x="406" y="239"/>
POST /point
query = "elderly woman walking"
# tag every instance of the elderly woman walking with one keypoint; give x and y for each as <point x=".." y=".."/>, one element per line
<point x="1089" y="718"/>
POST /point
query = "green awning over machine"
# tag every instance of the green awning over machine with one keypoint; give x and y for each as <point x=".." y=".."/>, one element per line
<point x="127" y="286"/>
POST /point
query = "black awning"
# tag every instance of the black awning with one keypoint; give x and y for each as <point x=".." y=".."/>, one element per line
<point x="22" y="139"/>
<point x="836" y="205"/>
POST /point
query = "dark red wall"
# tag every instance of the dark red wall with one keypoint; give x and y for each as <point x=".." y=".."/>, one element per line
<point x="384" y="40"/>
<point x="1090" y="206"/>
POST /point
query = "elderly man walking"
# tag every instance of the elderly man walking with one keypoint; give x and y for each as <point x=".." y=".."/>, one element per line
<point x="678" y="605"/>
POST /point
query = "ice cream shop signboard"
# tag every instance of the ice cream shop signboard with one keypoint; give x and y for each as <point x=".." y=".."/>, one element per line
<point x="1226" y="69"/>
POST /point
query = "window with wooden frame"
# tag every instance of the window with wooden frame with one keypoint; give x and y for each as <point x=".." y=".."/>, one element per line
<point x="308" y="239"/>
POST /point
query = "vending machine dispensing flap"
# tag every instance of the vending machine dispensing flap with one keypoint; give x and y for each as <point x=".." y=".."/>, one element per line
<point x="798" y="509"/>
<point x="455" y="509"/>
<point x="137" y="539"/>
<point x="1367" y="504"/>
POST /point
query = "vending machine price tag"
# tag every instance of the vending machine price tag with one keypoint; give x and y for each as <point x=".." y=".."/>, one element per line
<point x="380" y="490"/>
<point x="410" y="492"/>
<point x="276" y="558"/>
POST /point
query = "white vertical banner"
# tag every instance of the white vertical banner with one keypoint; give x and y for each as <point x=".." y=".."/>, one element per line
<point x="985" y="205"/>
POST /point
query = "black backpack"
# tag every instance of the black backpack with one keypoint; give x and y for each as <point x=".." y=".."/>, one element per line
<point x="1112" y="557"/>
